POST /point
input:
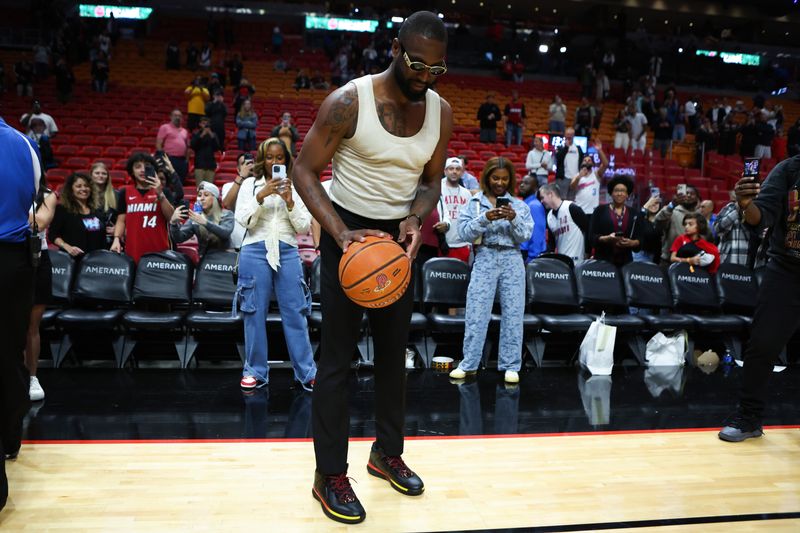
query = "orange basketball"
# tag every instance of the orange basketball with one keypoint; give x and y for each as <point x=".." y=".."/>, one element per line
<point x="374" y="273"/>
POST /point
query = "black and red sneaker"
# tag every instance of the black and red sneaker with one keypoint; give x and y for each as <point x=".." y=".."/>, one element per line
<point x="394" y="470"/>
<point x="338" y="500"/>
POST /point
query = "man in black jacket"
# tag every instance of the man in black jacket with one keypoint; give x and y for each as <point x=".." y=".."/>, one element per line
<point x="488" y="115"/>
<point x="774" y="204"/>
<point x="205" y="145"/>
<point x="217" y="111"/>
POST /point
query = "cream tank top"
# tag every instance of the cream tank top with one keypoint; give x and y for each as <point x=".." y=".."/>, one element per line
<point x="375" y="173"/>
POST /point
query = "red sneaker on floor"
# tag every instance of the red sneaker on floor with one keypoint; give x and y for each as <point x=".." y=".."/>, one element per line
<point x="248" y="382"/>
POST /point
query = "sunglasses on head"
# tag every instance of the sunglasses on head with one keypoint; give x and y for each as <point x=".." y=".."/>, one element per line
<point x="419" y="66"/>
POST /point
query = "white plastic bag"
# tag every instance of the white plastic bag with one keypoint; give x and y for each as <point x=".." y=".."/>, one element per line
<point x="597" y="348"/>
<point x="663" y="350"/>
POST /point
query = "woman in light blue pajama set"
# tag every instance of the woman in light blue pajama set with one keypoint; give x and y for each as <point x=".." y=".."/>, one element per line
<point x="497" y="233"/>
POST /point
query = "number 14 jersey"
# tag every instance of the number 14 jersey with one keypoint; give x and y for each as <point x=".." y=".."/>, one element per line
<point x="145" y="225"/>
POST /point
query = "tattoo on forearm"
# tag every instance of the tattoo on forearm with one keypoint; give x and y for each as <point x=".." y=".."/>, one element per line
<point x="425" y="201"/>
<point x="392" y="119"/>
<point x="341" y="113"/>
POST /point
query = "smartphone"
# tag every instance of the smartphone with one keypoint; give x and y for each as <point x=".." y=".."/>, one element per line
<point x="503" y="202"/>
<point x="159" y="154"/>
<point x="278" y="172"/>
<point x="751" y="167"/>
<point x="682" y="189"/>
<point x="248" y="158"/>
<point x="655" y="192"/>
<point x="150" y="172"/>
<point x="619" y="234"/>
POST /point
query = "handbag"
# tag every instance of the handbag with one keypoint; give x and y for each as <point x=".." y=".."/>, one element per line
<point x="597" y="347"/>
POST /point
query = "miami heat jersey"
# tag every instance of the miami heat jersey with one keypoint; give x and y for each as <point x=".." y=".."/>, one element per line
<point x="145" y="224"/>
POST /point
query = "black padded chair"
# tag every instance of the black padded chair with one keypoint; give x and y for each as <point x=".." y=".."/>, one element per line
<point x="444" y="285"/>
<point x="600" y="289"/>
<point x="418" y="326"/>
<point x="212" y="297"/>
<point x="553" y="299"/>
<point x="695" y="294"/>
<point x="101" y="293"/>
<point x="647" y="287"/>
<point x="62" y="271"/>
<point x="738" y="290"/>
<point x="161" y="278"/>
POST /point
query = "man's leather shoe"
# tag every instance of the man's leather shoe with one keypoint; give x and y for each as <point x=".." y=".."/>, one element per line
<point x="394" y="470"/>
<point x="338" y="500"/>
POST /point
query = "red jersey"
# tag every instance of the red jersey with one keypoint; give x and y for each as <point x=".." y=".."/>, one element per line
<point x="145" y="225"/>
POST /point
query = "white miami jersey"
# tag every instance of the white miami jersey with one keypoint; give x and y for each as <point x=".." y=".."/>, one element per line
<point x="569" y="237"/>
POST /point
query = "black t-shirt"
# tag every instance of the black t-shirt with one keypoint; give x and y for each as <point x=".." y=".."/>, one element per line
<point x="204" y="149"/>
<point x="779" y="202"/>
<point x="87" y="232"/>
<point x="664" y="130"/>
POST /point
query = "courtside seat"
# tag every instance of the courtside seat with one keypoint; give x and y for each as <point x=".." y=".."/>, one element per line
<point x="646" y="287"/>
<point x="212" y="296"/>
<point x="695" y="294"/>
<point x="553" y="300"/>
<point x="444" y="291"/>
<point x="63" y="269"/>
<point x="738" y="290"/>
<point x="102" y="290"/>
<point x="600" y="290"/>
<point x="163" y="278"/>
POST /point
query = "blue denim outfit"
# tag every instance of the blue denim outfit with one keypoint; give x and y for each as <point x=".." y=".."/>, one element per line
<point x="513" y="133"/>
<point x="257" y="280"/>
<point x="498" y="266"/>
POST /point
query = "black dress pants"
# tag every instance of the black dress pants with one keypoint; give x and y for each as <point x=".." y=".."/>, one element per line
<point x="16" y="286"/>
<point x="776" y="319"/>
<point x="340" y="332"/>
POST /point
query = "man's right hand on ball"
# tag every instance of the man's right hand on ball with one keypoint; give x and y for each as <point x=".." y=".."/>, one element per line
<point x="349" y="236"/>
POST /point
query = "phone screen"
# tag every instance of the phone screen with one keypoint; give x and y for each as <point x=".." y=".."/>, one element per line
<point x="751" y="167"/>
<point x="503" y="201"/>
<point x="248" y="158"/>
<point x="150" y="171"/>
<point x="682" y="188"/>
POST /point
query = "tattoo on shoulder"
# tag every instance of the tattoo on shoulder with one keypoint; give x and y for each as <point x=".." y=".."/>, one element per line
<point x="392" y="119"/>
<point x="341" y="114"/>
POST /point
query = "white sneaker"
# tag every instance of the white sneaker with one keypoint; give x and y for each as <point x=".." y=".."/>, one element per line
<point x="457" y="373"/>
<point x="410" y="356"/>
<point x="36" y="392"/>
<point x="511" y="377"/>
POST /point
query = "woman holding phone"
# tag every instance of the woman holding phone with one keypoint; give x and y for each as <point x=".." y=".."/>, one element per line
<point x="497" y="223"/>
<point x="208" y="221"/>
<point x="269" y="262"/>
<point x="615" y="229"/>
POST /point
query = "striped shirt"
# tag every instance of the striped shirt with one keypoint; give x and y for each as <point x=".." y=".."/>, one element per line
<point x="733" y="238"/>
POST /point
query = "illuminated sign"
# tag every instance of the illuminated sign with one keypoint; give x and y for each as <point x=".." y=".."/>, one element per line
<point x="751" y="60"/>
<point x="120" y="12"/>
<point x="314" y="22"/>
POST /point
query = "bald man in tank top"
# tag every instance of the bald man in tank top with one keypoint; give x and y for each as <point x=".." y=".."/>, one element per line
<point x="387" y="136"/>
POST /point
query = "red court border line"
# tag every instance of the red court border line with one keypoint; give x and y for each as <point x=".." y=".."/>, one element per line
<point x="427" y="437"/>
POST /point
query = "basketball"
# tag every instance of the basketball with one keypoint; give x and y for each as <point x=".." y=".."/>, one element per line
<point x="374" y="273"/>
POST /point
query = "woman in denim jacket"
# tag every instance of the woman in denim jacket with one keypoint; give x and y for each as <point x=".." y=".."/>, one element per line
<point x="269" y="263"/>
<point x="497" y="223"/>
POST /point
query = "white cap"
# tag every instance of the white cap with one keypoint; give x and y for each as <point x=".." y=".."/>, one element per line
<point x="453" y="162"/>
<point x="210" y="188"/>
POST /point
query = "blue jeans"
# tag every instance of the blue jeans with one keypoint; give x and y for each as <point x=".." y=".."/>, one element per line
<point x="513" y="133"/>
<point x="253" y="293"/>
<point x="495" y="270"/>
<point x="555" y="126"/>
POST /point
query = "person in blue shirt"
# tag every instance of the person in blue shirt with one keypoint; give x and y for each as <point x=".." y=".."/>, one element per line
<point x="20" y="174"/>
<point x="537" y="244"/>
<point x="497" y="223"/>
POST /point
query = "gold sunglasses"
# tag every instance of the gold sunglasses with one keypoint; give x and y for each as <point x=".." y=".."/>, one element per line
<point x="419" y="66"/>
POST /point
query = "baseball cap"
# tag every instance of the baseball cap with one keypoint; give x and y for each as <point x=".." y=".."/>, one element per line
<point x="210" y="188"/>
<point x="453" y="162"/>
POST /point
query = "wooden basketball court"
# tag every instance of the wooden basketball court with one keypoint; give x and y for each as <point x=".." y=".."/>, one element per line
<point x="670" y="481"/>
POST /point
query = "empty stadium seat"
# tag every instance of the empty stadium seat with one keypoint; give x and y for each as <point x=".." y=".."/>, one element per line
<point x="161" y="278"/>
<point x="212" y="297"/>
<point x="101" y="292"/>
